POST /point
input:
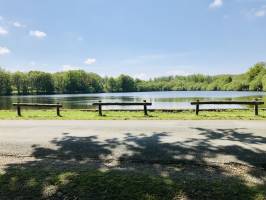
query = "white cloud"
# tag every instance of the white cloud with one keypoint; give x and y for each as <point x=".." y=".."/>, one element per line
<point x="260" y="12"/>
<point x="155" y="58"/>
<point x="175" y="72"/>
<point x="69" y="67"/>
<point x="1" y="18"/>
<point x="4" y="50"/>
<point x="226" y="16"/>
<point x="141" y="76"/>
<point x="32" y="63"/>
<point x="90" y="61"/>
<point x="38" y="34"/>
<point x="216" y="4"/>
<point x="18" y="25"/>
<point x="256" y="12"/>
<point x="80" y="38"/>
<point x="178" y="72"/>
<point x="3" y="31"/>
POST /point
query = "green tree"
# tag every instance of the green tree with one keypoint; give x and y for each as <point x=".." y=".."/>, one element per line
<point x="126" y="83"/>
<point x="20" y="82"/>
<point x="79" y="81"/>
<point x="5" y="83"/>
<point x="95" y="83"/>
<point x="112" y="85"/>
<point x="254" y="71"/>
<point x="75" y="81"/>
<point x="41" y="82"/>
<point x="264" y="82"/>
<point x="59" y="79"/>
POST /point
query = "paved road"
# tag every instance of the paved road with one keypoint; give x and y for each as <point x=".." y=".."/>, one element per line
<point x="146" y="141"/>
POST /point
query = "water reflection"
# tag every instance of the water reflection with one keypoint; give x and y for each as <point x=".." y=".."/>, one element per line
<point x="162" y="100"/>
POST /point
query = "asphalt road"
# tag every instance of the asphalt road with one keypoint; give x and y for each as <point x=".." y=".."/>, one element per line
<point x="145" y="141"/>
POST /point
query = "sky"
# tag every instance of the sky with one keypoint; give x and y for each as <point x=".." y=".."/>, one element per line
<point x="142" y="38"/>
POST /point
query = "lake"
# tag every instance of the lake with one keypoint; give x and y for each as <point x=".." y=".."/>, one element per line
<point x="166" y="100"/>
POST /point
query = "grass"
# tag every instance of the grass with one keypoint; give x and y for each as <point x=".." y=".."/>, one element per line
<point x="132" y="115"/>
<point x="41" y="183"/>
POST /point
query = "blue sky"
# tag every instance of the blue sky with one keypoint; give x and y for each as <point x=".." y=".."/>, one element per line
<point x="142" y="38"/>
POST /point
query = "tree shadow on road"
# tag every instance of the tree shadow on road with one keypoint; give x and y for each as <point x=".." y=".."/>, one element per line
<point x="140" y="166"/>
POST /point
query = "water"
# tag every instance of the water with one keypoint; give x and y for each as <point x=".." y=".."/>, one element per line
<point x="160" y="100"/>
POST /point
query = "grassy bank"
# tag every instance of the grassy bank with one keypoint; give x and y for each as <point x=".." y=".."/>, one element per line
<point x="126" y="115"/>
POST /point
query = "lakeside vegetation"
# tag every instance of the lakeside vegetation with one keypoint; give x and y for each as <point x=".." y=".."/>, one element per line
<point x="79" y="81"/>
<point x="72" y="114"/>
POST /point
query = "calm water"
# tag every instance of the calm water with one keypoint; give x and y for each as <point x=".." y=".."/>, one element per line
<point x="173" y="99"/>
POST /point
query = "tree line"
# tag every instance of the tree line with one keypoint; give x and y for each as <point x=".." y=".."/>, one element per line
<point x="79" y="81"/>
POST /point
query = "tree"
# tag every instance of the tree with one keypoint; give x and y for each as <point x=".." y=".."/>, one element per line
<point x="20" y="82"/>
<point x="254" y="71"/>
<point x="94" y="82"/>
<point x="255" y="75"/>
<point x="41" y="82"/>
<point x="80" y="81"/>
<point x="5" y="83"/>
<point x="47" y="83"/>
<point x="75" y="81"/>
<point x="112" y="85"/>
<point x="126" y="83"/>
<point x="59" y="79"/>
<point x="264" y="82"/>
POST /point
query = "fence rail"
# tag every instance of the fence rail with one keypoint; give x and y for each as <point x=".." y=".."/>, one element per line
<point x="255" y="103"/>
<point x="19" y="105"/>
<point x="144" y="104"/>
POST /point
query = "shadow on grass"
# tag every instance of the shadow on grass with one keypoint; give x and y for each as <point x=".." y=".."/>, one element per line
<point x="149" y="167"/>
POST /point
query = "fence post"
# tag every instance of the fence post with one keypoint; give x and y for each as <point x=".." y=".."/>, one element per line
<point x="100" y="108"/>
<point x="145" y="108"/>
<point x="19" y="110"/>
<point x="58" y="110"/>
<point x="256" y="107"/>
<point x="197" y="107"/>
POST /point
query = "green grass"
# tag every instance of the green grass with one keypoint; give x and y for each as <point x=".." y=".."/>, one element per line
<point x="120" y="185"/>
<point x="126" y="115"/>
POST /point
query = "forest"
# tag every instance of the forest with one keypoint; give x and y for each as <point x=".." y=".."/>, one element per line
<point x="79" y="81"/>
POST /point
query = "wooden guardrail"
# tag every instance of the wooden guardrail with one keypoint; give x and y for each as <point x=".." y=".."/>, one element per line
<point x="144" y="104"/>
<point x="19" y="105"/>
<point x="255" y="103"/>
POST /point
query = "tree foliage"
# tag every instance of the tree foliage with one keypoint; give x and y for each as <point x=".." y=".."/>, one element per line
<point x="80" y="81"/>
<point x="5" y="83"/>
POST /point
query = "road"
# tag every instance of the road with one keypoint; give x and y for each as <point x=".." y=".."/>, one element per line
<point x="147" y="141"/>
